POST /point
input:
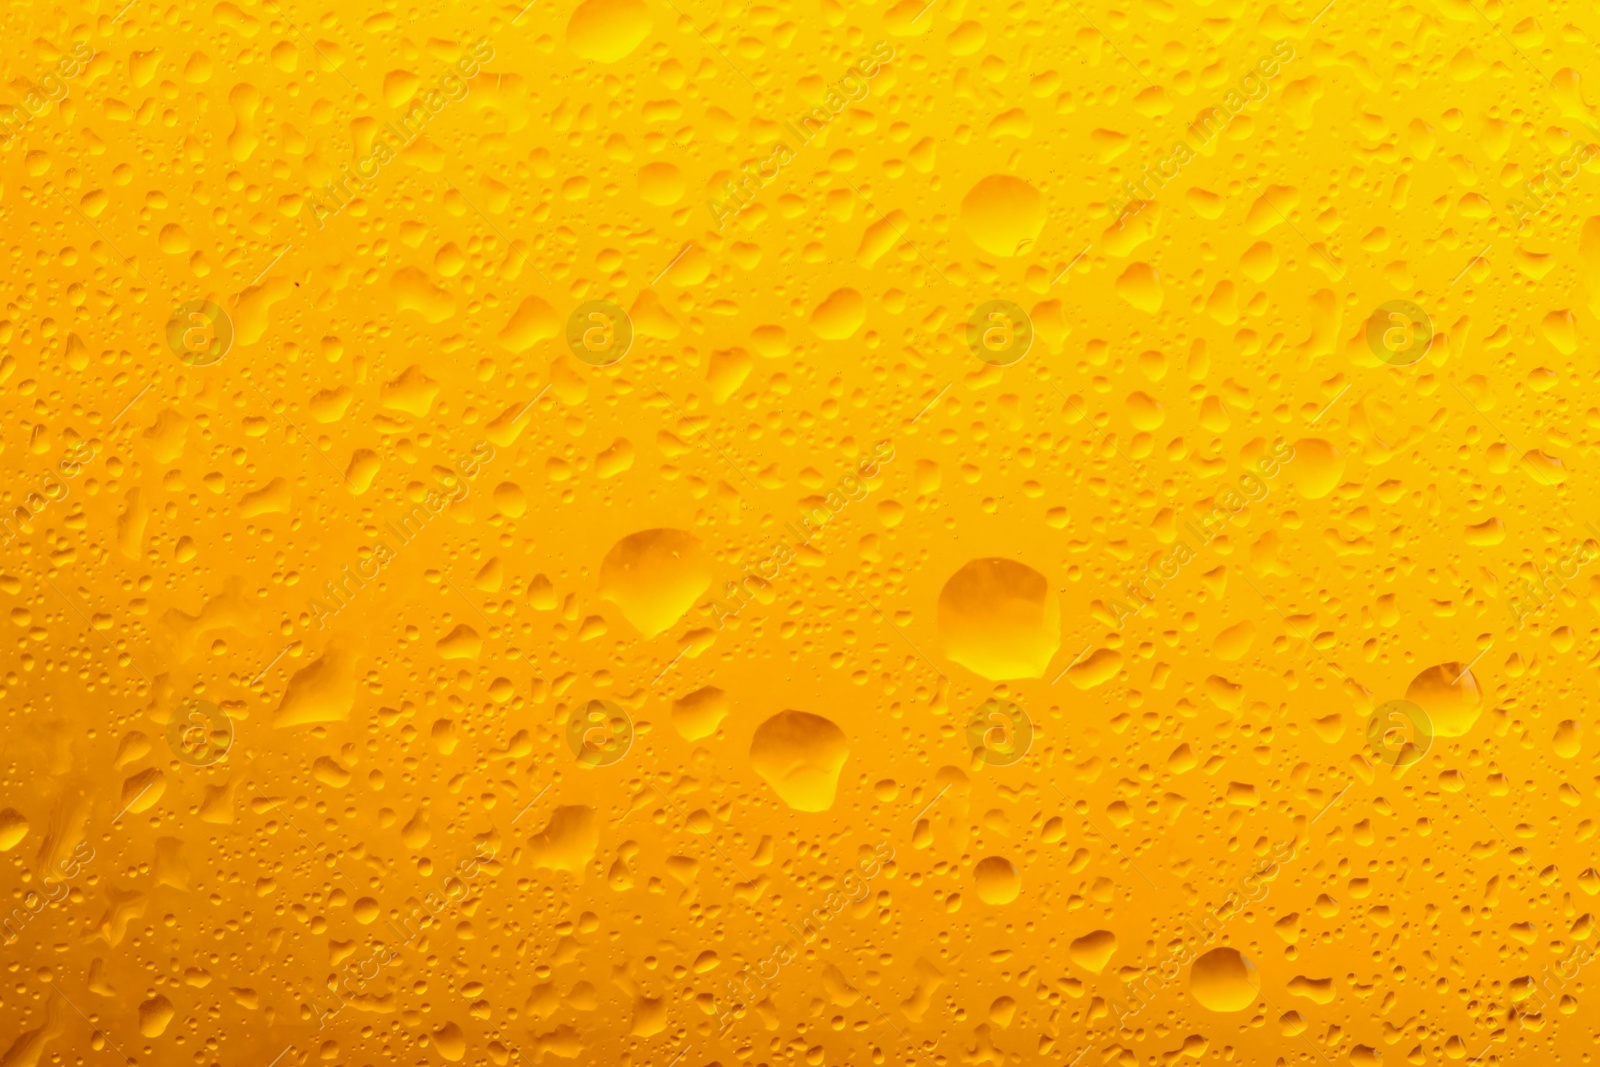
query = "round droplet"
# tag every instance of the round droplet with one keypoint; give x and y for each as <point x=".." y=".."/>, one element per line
<point x="1561" y="330"/>
<point x="997" y="879"/>
<point x="510" y="500"/>
<point x="771" y="341"/>
<point x="1569" y="738"/>
<point x="1365" y="1056"/>
<point x="660" y="184"/>
<point x="1003" y="215"/>
<point x="1315" y="468"/>
<point x="607" y="30"/>
<point x="699" y="713"/>
<point x="1093" y="950"/>
<point x="800" y="756"/>
<point x="1000" y="619"/>
<point x="1144" y="410"/>
<point x="1449" y="695"/>
<point x="1224" y="980"/>
<point x="172" y="239"/>
<point x="13" y="828"/>
<point x="155" y="1015"/>
<point x="1140" y="286"/>
<point x="450" y="1043"/>
<point x="654" y="577"/>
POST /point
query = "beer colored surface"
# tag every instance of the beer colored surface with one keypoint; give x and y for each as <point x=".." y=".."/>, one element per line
<point x="687" y="534"/>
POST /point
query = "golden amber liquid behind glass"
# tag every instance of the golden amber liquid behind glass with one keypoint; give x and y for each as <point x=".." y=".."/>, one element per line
<point x="914" y="532"/>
